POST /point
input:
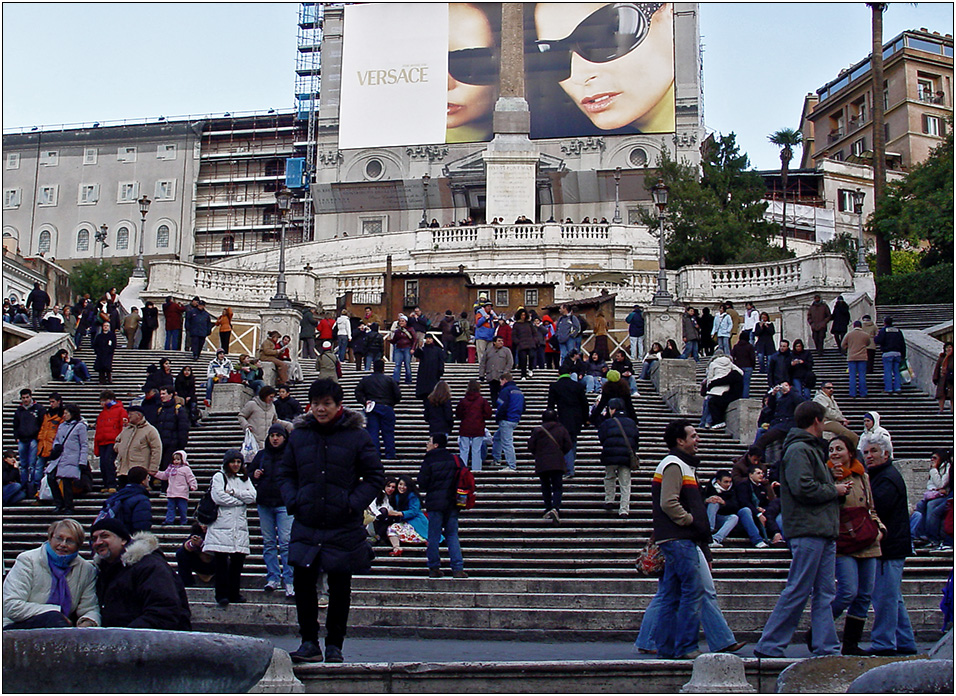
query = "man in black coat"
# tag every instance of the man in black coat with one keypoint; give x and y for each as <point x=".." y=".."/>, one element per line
<point x="27" y="419"/>
<point x="37" y="301"/>
<point x="287" y="407"/>
<point x="782" y="404"/>
<point x="198" y="326"/>
<point x="892" y="633"/>
<point x="384" y="393"/>
<point x="149" y="324"/>
<point x="329" y="474"/>
<point x="136" y="587"/>
<point x="619" y="437"/>
<point x="569" y="400"/>
<point x="778" y="366"/>
<point x="438" y="481"/>
<point x="172" y="422"/>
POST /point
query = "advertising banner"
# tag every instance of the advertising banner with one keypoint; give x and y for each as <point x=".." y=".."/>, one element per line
<point x="416" y="73"/>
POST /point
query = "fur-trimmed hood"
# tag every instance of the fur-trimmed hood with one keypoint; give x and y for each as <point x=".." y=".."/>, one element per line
<point x="139" y="547"/>
<point x="351" y="420"/>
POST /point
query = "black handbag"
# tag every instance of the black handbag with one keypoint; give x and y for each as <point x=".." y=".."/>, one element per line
<point x="207" y="511"/>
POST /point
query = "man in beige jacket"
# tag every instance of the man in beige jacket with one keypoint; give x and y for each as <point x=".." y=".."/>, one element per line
<point x="138" y="444"/>
<point x="496" y="360"/>
<point x="833" y="420"/>
<point x="856" y="344"/>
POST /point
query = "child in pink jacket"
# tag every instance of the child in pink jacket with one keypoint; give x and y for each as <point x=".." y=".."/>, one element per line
<point x="180" y="480"/>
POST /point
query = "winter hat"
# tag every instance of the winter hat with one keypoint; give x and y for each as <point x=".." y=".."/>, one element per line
<point x="181" y="453"/>
<point x="448" y="313"/>
<point x="111" y="524"/>
<point x="616" y="403"/>
<point x="137" y="409"/>
<point x="613" y="376"/>
<point x="278" y="428"/>
<point x="326" y="345"/>
<point x="230" y="455"/>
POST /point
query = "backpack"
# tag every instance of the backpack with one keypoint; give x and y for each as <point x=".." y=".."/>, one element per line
<point x="207" y="511"/>
<point x="108" y="511"/>
<point x="465" y="494"/>
<point x="456" y="329"/>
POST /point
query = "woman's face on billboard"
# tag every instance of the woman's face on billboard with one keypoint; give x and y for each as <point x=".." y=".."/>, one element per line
<point x="634" y="86"/>
<point x="468" y="28"/>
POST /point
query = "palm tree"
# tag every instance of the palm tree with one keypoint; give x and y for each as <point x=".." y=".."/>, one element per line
<point x="786" y="139"/>
<point x="879" y="141"/>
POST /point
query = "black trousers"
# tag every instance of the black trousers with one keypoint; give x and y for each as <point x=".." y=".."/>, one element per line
<point x="62" y="499"/>
<point x="494" y="387"/>
<point x="188" y="563"/>
<point x="525" y="359"/>
<point x="552" y="485"/>
<point x="818" y="338"/>
<point x="305" y="581"/>
<point x="228" y="574"/>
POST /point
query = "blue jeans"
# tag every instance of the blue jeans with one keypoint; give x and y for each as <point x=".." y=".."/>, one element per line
<point x="891" y="622"/>
<point x="812" y="570"/>
<point x="569" y="459"/>
<point x="857" y="377"/>
<point x="593" y="383"/>
<point x="854" y="578"/>
<point x="682" y="593"/>
<point x="81" y="373"/>
<point x="892" y="379"/>
<point x="637" y="348"/>
<point x="690" y="351"/>
<point x="30" y="472"/>
<point x="343" y="347"/>
<point x="716" y="631"/>
<point x="382" y="419"/>
<point x="721" y="525"/>
<point x="276" y="525"/>
<point x="443" y="521"/>
<point x="173" y="339"/>
<point x="706" y="420"/>
<point x="748" y="373"/>
<point x="13" y="493"/>
<point x="754" y="529"/>
<point x="402" y="355"/>
<point x="504" y="443"/>
<point x="469" y="449"/>
<point x="723" y="344"/>
<point x="176" y="507"/>
<point x="802" y="389"/>
<point x="935" y="512"/>
<point x="564" y="349"/>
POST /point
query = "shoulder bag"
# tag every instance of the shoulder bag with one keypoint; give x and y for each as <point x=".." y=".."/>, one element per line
<point x="858" y="529"/>
<point x="635" y="460"/>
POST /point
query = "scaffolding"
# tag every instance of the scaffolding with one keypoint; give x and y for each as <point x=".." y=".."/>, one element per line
<point x="308" y="79"/>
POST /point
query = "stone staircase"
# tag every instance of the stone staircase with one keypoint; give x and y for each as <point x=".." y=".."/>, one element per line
<point x="529" y="578"/>
<point x="914" y="316"/>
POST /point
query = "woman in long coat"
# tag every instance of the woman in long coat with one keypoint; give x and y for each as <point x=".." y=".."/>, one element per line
<point x="104" y="345"/>
<point x="71" y="437"/>
<point x="431" y="366"/>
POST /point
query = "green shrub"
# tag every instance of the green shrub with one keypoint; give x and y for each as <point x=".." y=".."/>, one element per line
<point x="934" y="285"/>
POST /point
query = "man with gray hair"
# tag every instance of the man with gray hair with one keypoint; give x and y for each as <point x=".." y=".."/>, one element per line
<point x="892" y="633"/>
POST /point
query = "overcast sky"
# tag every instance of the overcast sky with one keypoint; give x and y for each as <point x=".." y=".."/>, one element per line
<point x="76" y="63"/>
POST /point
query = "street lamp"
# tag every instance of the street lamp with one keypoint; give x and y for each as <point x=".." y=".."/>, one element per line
<point x="101" y="238"/>
<point x="617" y="197"/>
<point x="858" y="197"/>
<point x="662" y="298"/>
<point x="425" y="179"/>
<point x="284" y="202"/>
<point x="140" y="270"/>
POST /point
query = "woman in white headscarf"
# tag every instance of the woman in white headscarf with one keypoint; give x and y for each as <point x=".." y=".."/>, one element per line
<point x="723" y="385"/>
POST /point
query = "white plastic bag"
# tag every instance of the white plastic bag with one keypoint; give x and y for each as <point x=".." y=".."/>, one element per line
<point x="249" y="447"/>
<point x="45" y="492"/>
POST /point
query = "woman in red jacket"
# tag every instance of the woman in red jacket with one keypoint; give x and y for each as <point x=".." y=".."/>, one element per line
<point x="108" y="425"/>
<point x="472" y="413"/>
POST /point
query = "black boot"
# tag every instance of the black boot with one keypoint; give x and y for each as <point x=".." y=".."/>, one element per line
<point x="852" y="634"/>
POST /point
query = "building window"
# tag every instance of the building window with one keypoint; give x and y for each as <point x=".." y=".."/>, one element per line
<point x="13" y="160"/>
<point x="411" y="293"/>
<point x="373" y="225"/>
<point x="374" y="169"/>
<point x="89" y="194"/>
<point x="838" y="155"/>
<point x="483" y="293"/>
<point x="859" y="147"/>
<point x="166" y="152"/>
<point x="165" y="190"/>
<point x="50" y="158"/>
<point x="11" y="198"/>
<point x="128" y="192"/>
<point x="501" y="298"/>
<point x="162" y="237"/>
<point x="89" y="155"/>
<point x="531" y="298"/>
<point x="83" y="240"/>
<point x="932" y="125"/>
<point x="122" y="238"/>
<point x="633" y="216"/>
<point x="845" y="200"/>
<point x="47" y="196"/>
<point x="228" y="243"/>
<point x="126" y="154"/>
<point x="638" y="157"/>
<point x="45" y="242"/>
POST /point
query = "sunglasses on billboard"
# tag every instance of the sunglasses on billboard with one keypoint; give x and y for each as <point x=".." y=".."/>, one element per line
<point x="606" y="34"/>
<point x="474" y="66"/>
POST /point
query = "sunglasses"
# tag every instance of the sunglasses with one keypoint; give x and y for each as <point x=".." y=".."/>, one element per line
<point x="474" y="66"/>
<point x="606" y="34"/>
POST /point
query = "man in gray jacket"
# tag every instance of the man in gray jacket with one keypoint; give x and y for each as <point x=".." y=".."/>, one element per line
<point x="811" y="523"/>
<point x="495" y="362"/>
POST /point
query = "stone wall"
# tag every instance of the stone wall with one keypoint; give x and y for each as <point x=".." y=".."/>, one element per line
<point x="27" y="365"/>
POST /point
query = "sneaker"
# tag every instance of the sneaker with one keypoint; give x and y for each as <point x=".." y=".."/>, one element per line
<point x="547" y="515"/>
<point x="733" y="648"/>
<point x="635" y="394"/>
<point x="762" y="545"/>
<point x="554" y="516"/>
<point x="523" y="379"/>
<point x="290" y="594"/>
<point x="271" y="586"/>
<point x="718" y="426"/>
<point x="944" y="547"/>
<point x="716" y="544"/>
<point x="435" y="573"/>
<point x="623" y="515"/>
<point x="323" y="600"/>
<point x="507" y="470"/>
<point x="530" y="373"/>
<point x="333" y="653"/>
<point x="459" y="575"/>
<point x="308" y="652"/>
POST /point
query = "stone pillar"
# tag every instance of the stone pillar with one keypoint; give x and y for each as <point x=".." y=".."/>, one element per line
<point x="662" y="323"/>
<point x="676" y="383"/>
<point x="794" y="325"/>
<point x="742" y="420"/>
<point x="285" y="321"/>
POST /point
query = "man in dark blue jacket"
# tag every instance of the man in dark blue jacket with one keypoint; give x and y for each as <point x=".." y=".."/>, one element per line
<point x="778" y="366"/>
<point x="130" y="504"/>
<point x="509" y="407"/>
<point x="891" y="340"/>
<point x="198" y="325"/>
<point x="438" y="480"/>
<point x="635" y="332"/>
<point x="330" y="472"/>
<point x="782" y="404"/>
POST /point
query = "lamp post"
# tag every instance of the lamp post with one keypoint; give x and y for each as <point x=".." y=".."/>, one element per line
<point x="662" y="298"/>
<point x="140" y="270"/>
<point x="425" y="179"/>
<point x="617" y="197"/>
<point x="101" y="238"/>
<point x="284" y="202"/>
<point x="858" y="196"/>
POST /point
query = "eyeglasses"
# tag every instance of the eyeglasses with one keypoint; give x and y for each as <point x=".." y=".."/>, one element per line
<point x="830" y="388"/>
<point x="66" y="541"/>
<point x="606" y="34"/>
<point x="474" y="66"/>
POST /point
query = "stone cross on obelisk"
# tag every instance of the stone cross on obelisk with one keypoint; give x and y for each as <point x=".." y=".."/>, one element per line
<point x="511" y="158"/>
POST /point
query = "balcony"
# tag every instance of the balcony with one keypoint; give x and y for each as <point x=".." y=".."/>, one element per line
<point x="835" y="135"/>
<point x="930" y="98"/>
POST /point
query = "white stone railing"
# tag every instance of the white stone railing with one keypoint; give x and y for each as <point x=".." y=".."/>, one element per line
<point x="360" y="284"/>
<point x="227" y="287"/>
<point x="586" y="232"/>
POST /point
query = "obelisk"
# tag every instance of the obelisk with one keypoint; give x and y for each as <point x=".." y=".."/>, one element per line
<point x="511" y="159"/>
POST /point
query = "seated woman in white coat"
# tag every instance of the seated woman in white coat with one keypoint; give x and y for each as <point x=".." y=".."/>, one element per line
<point x="227" y="538"/>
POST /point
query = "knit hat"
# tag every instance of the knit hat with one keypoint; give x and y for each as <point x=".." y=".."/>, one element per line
<point x="111" y="524"/>
<point x="613" y="376"/>
<point x="230" y="455"/>
<point x="278" y="428"/>
<point x="136" y="409"/>
<point x="616" y="403"/>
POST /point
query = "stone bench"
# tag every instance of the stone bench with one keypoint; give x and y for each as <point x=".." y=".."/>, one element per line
<point x="229" y="397"/>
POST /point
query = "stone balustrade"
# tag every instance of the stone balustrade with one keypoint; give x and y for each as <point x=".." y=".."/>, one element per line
<point x="225" y="286"/>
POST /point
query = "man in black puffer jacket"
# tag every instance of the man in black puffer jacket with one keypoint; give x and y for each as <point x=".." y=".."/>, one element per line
<point x="438" y="480"/>
<point x="274" y="520"/>
<point x="329" y="474"/>
<point x="172" y="422"/>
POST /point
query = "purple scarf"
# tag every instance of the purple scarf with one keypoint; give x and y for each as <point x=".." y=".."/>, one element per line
<point x="59" y="589"/>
